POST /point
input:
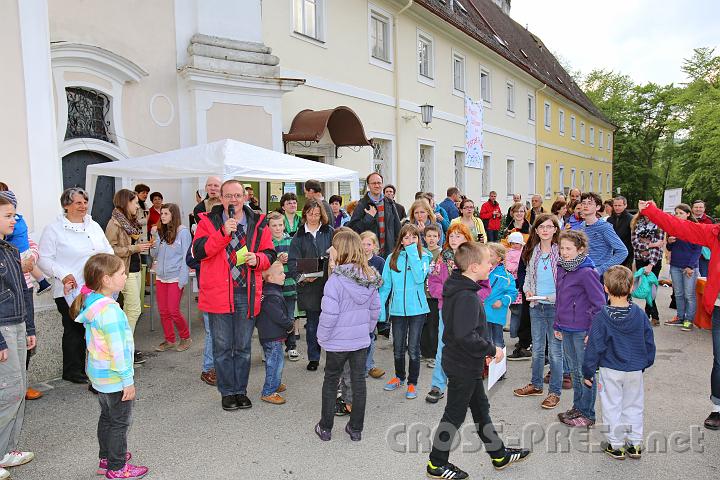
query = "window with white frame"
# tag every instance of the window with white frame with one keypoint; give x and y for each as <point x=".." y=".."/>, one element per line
<point x="608" y="183"/>
<point x="425" y="169"/>
<point x="485" y="85"/>
<point x="510" y="173"/>
<point x="382" y="158"/>
<point x="600" y="181"/>
<point x="531" y="178"/>
<point x="561" y="122"/>
<point x="459" y="162"/>
<point x="548" y="181"/>
<point x="510" y="88"/>
<point x="572" y="178"/>
<point x="548" y="114"/>
<point x="561" y="179"/>
<point x="425" y="56"/>
<point x="609" y="141"/>
<point x="380" y="36"/>
<point x="592" y="136"/>
<point x="582" y="180"/>
<point x="601" y="139"/>
<point x="573" y="127"/>
<point x="308" y="16"/>
<point x="485" y="181"/>
<point x="531" y="107"/>
<point x="458" y="72"/>
<point x="590" y="180"/>
<point x="582" y="132"/>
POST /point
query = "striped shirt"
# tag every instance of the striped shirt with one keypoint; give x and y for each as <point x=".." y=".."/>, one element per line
<point x="283" y="245"/>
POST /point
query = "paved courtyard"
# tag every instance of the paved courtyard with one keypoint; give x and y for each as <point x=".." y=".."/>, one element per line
<point x="180" y="431"/>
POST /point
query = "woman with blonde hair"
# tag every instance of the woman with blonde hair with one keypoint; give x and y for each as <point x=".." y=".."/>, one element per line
<point x="421" y="215"/>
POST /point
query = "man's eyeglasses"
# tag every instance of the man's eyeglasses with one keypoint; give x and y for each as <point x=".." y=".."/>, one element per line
<point x="236" y="196"/>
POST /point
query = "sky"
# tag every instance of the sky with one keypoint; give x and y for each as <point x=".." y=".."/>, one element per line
<point x="645" y="39"/>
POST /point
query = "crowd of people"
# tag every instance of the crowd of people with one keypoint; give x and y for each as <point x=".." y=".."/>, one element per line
<point x="446" y="280"/>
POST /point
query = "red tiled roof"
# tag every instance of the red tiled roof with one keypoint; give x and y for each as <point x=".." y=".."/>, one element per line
<point x="485" y="22"/>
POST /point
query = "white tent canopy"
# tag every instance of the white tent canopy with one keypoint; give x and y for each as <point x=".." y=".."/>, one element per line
<point x="224" y="158"/>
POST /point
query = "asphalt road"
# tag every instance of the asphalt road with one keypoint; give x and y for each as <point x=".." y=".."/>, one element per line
<point x="180" y="431"/>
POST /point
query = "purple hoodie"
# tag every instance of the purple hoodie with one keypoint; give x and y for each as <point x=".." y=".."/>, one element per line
<point x="350" y="310"/>
<point x="580" y="296"/>
<point x="439" y="273"/>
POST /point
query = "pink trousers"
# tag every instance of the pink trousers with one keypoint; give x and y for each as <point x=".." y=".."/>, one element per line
<point x="168" y="300"/>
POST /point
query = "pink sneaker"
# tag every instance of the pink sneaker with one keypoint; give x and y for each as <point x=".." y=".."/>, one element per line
<point x="128" y="472"/>
<point x="102" y="466"/>
<point x="580" y="421"/>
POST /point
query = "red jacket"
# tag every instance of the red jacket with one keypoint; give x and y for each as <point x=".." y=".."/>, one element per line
<point x="211" y="240"/>
<point x="699" y="234"/>
<point x="486" y="214"/>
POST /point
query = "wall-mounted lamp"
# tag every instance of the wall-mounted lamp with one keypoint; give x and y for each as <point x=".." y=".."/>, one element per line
<point x="425" y="115"/>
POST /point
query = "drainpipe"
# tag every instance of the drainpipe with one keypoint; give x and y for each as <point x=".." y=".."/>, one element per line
<point x="537" y="120"/>
<point x="396" y="93"/>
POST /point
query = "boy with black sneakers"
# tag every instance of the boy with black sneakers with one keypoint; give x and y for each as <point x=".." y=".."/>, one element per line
<point x="621" y="344"/>
<point x="464" y="358"/>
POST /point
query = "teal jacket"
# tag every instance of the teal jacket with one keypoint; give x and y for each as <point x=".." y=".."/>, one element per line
<point x="110" y="344"/>
<point x="406" y="288"/>
<point x="503" y="288"/>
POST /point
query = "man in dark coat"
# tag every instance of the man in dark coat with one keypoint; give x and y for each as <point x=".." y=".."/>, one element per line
<point x="620" y="220"/>
<point x="377" y="213"/>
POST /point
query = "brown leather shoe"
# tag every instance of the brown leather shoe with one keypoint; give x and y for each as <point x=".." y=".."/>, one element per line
<point x="209" y="377"/>
<point x="712" y="422"/>
<point x="273" y="398"/>
<point x="550" y="402"/>
<point x="164" y="346"/>
<point x="184" y="344"/>
<point x="32" y="394"/>
<point x="376" y="372"/>
<point x="528" y="391"/>
<point x="567" y="382"/>
<point x="281" y="388"/>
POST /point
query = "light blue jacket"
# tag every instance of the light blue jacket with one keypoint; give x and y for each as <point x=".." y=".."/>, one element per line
<point x="503" y="288"/>
<point x="171" y="258"/>
<point x="406" y="288"/>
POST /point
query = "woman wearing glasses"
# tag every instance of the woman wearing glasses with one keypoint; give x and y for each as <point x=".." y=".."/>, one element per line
<point x="65" y="246"/>
<point x="467" y="217"/>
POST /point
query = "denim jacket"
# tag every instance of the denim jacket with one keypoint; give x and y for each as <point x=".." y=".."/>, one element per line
<point x="16" y="302"/>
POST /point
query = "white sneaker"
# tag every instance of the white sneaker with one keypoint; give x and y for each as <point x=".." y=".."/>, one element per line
<point x="4" y="474"/>
<point x="293" y="355"/>
<point x="15" y="458"/>
<point x="431" y="363"/>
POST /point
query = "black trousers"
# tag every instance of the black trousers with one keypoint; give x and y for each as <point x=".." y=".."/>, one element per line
<point x="652" y="312"/>
<point x="113" y="426"/>
<point x="525" y="330"/>
<point x="429" y="336"/>
<point x="73" y="342"/>
<point x="461" y="394"/>
<point x="334" y="364"/>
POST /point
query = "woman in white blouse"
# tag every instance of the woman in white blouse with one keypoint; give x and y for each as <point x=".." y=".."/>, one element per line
<point x="65" y="246"/>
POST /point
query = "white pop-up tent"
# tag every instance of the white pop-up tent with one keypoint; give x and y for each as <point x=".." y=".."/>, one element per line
<point x="224" y="158"/>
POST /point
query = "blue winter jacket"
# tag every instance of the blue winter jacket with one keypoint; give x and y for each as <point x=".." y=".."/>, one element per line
<point x="406" y="288"/>
<point x="503" y="288"/>
<point x="625" y="344"/>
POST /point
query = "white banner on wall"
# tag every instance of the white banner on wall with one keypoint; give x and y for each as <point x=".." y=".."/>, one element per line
<point x="473" y="133"/>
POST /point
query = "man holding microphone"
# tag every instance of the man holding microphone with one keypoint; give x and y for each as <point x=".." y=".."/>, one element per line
<point x="234" y="245"/>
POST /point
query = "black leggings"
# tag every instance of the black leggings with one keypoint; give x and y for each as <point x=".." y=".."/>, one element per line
<point x="73" y="342"/>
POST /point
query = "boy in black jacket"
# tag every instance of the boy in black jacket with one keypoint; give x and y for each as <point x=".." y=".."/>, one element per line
<point x="273" y="326"/>
<point x="464" y="357"/>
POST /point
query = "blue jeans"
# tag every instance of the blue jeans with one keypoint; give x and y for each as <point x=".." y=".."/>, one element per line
<point x="313" y="319"/>
<point x="684" y="289"/>
<point x="715" y="375"/>
<point x="439" y="379"/>
<point x="583" y="397"/>
<point x="496" y="334"/>
<point x="515" y="314"/>
<point x="370" y="362"/>
<point x="232" y="337"/>
<point x="274" y="362"/>
<point x="208" y="363"/>
<point x="542" y="317"/>
<point x="406" y="337"/>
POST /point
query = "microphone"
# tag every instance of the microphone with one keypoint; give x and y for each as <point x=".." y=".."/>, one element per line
<point x="231" y="211"/>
